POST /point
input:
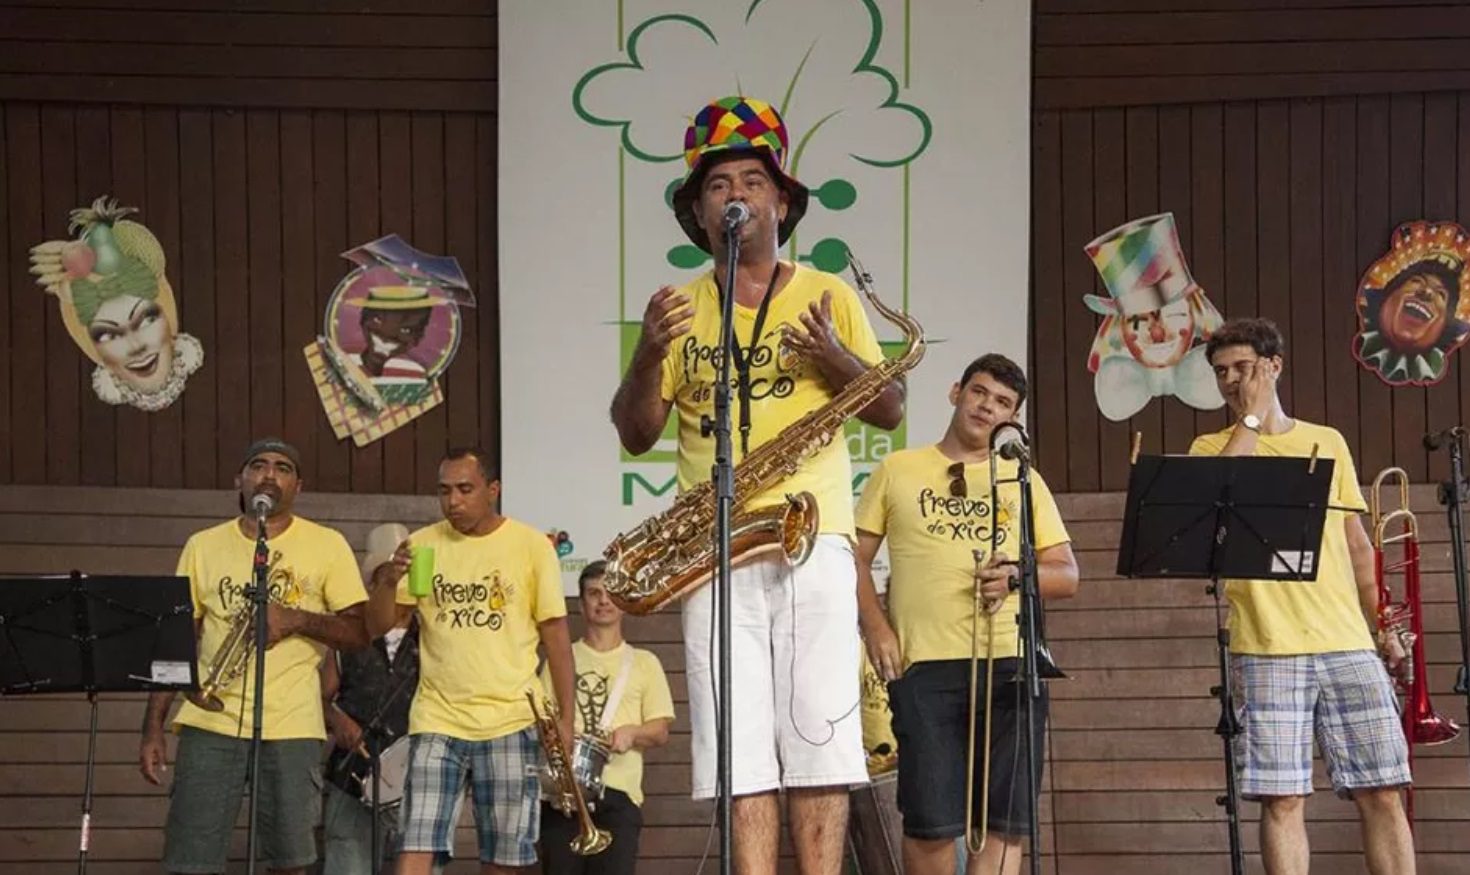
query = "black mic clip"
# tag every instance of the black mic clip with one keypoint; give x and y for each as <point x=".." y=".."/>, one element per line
<point x="1017" y="447"/>
<point x="1435" y="440"/>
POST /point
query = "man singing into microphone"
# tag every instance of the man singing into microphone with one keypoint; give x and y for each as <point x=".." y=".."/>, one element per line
<point x="936" y="508"/>
<point x="802" y="336"/>
<point x="316" y="601"/>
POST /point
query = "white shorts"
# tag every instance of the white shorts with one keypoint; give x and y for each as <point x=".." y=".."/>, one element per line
<point x="795" y="655"/>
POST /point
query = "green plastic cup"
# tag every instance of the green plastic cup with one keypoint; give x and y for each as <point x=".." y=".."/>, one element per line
<point x="421" y="572"/>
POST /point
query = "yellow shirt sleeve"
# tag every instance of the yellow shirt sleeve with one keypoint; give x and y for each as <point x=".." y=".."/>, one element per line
<point x="658" y="701"/>
<point x="343" y="587"/>
<point x="548" y="602"/>
<point x="1050" y="530"/>
<point x="872" y="507"/>
<point x="1206" y="445"/>
<point x="186" y="568"/>
<point x="852" y="325"/>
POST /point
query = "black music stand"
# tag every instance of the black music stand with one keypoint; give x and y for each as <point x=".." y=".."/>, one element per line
<point x="79" y="634"/>
<point x="1214" y="517"/>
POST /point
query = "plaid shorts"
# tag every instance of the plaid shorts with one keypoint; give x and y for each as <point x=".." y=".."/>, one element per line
<point x="1345" y="699"/>
<point x="502" y="775"/>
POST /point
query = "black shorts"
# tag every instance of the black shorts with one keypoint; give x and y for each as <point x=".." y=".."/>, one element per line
<point x="930" y="722"/>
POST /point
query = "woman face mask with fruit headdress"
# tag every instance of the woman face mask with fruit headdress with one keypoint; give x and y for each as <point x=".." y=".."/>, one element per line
<point x="118" y="306"/>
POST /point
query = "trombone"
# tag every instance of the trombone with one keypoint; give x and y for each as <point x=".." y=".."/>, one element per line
<point x="975" y="844"/>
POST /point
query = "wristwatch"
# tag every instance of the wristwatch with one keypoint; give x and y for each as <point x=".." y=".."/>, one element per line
<point x="1252" y="422"/>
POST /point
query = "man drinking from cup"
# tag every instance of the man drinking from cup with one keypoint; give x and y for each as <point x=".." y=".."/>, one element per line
<point x="487" y="589"/>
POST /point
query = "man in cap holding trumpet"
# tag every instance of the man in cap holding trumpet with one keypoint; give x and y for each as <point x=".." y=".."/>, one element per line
<point x="316" y="600"/>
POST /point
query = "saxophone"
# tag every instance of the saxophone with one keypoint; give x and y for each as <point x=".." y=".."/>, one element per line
<point x="669" y="555"/>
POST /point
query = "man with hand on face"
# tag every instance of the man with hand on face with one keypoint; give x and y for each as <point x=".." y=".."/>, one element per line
<point x="622" y="694"/>
<point x="1303" y="650"/>
<point x="936" y="508"/>
<point x="316" y="597"/>
<point x="802" y="336"/>
<point x="496" y="595"/>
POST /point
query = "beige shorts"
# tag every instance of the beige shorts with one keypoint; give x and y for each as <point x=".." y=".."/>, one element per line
<point x="795" y="658"/>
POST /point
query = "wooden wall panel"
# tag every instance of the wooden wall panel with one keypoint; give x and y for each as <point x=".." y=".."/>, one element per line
<point x="253" y="208"/>
<point x="1136" y="52"/>
<point x="1280" y="206"/>
<point x="434" y="55"/>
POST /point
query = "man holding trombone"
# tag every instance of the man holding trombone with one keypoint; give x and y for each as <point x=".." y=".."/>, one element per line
<point x="952" y="621"/>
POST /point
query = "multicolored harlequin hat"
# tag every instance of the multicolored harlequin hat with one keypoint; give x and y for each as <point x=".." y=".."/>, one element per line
<point x="723" y="129"/>
<point x="1142" y="265"/>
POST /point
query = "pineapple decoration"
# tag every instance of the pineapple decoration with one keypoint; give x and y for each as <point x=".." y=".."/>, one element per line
<point x="118" y="306"/>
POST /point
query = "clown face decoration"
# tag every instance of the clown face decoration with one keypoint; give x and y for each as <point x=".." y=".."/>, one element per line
<point x="1412" y="310"/>
<point x="1159" y="338"/>
<point x="1156" y="320"/>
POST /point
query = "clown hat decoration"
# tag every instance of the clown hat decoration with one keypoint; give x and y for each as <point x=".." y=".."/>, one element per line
<point x="1151" y="342"/>
<point x="1413" y="304"/>
<point x="1141" y="264"/>
<point x="736" y="127"/>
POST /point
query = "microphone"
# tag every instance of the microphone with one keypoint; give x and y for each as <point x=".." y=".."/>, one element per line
<point x="1440" y="438"/>
<point x="1009" y="439"/>
<point x="736" y="214"/>
<point x="262" y="504"/>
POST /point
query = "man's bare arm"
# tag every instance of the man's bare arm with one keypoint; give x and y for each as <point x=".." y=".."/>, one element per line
<point x="344" y="630"/>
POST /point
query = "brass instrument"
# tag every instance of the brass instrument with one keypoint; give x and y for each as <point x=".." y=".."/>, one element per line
<point x="1405" y="620"/>
<point x="667" y="556"/>
<point x="973" y="844"/>
<point x="228" y="662"/>
<point x="568" y="800"/>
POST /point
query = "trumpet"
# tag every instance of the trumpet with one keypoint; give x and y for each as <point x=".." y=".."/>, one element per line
<point x="973" y="843"/>
<point x="228" y="661"/>
<point x="569" y="799"/>
<point x="1405" y="620"/>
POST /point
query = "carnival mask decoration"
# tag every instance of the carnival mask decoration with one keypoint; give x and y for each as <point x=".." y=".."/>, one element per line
<point x="392" y="327"/>
<point x="118" y="306"/>
<point x="1413" y="310"/>
<point x="1151" y="341"/>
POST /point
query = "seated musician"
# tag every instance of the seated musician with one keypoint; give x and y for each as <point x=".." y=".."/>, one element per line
<point x="365" y="691"/>
<point x="935" y="506"/>
<point x="622" y="694"/>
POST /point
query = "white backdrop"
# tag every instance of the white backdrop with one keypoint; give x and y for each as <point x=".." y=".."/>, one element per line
<point x="909" y="121"/>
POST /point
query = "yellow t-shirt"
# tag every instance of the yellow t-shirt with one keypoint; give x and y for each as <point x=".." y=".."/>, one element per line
<point x="931" y="538"/>
<point x="783" y="388"/>
<point x="1286" y="617"/>
<point x="646" y="697"/>
<point x="312" y="568"/>
<point x="478" y="629"/>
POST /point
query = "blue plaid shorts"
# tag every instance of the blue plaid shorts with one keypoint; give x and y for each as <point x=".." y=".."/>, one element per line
<point x="505" y="788"/>
<point x="1346" y="700"/>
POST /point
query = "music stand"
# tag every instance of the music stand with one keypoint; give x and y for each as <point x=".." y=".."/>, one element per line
<point x="1216" y="517"/>
<point x="110" y="634"/>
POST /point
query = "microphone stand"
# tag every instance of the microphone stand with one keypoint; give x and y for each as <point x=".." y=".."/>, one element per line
<point x="1452" y="496"/>
<point x="1030" y="652"/>
<point x="260" y="599"/>
<point x="1029" y="620"/>
<point x="723" y="474"/>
